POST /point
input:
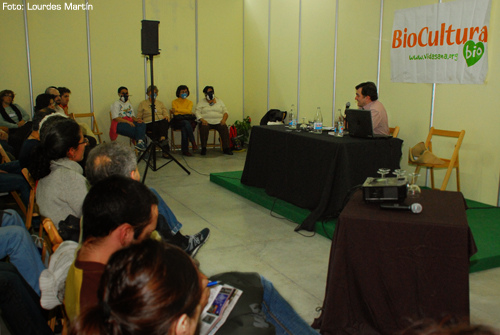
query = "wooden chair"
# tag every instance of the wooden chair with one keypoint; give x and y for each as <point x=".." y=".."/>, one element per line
<point x="173" y="131"/>
<point x="449" y="164"/>
<point x="51" y="238"/>
<point x="94" y="127"/>
<point x="30" y="211"/>
<point x="5" y="159"/>
<point x="51" y="241"/>
<point x="214" y="144"/>
<point x="394" y="131"/>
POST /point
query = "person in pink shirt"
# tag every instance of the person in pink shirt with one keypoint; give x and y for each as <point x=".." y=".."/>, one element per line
<point x="367" y="98"/>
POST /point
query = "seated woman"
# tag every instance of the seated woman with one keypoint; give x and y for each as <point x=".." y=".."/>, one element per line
<point x="61" y="185"/>
<point x="184" y="119"/>
<point x="124" y="121"/>
<point x="151" y="286"/>
<point x="212" y="114"/>
<point x="44" y="100"/>
<point x="159" y="128"/>
<point x="14" y="119"/>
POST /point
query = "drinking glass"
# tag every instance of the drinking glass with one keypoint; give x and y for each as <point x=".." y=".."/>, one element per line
<point x="382" y="172"/>
<point x="399" y="173"/>
<point x="414" y="190"/>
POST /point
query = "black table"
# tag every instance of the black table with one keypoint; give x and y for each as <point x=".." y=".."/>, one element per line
<point x="314" y="171"/>
<point x="390" y="267"/>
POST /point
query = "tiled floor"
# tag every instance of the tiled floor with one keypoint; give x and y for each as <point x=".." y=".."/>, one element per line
<point x="246" y="237"/>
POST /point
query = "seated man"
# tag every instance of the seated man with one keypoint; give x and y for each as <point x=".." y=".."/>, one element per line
<point x="159" y="128"/>
<point x="116" y="159"/>
<point x="116" y="212"/>
<point x="367" y="98"/>
<point x="125" y="122"/>
<point x="212" y="114"/>
<point x="119" y="211"/>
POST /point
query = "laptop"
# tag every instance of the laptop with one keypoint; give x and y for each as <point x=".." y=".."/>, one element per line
<point x="359" y="124"/>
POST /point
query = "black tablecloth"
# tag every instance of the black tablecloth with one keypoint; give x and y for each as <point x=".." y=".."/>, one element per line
<point x="314" y="171"/>
<point x="390" y="267"/>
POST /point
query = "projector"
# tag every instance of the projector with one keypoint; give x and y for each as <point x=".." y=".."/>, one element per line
<point x="385" y="189"/>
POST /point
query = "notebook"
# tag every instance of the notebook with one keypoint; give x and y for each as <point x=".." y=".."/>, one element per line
<point x="359" y="123"/>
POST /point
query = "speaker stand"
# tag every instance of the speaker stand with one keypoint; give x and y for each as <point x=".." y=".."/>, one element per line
<point x="151" y="149"/>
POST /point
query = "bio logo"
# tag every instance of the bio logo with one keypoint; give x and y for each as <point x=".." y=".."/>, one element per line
<point x="473" y="52"/>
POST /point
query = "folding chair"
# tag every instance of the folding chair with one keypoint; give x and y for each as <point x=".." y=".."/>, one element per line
<point x="394" y="131"/>
<point x="448" y="164"/>
<point x="31" y="204"/>
<point x="94" y="127"/>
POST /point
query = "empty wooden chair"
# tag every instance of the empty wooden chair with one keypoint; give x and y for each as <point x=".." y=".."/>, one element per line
<point x="449" y="164"/>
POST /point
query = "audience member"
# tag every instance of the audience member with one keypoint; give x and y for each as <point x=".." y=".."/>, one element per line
<point x="20" y="305"/>
<point x="367" y="98"/>
<point x="33" y="139"/>
<point x="61" y="185"/>
<point x="115" y="214"/>
<point x="19" y="288"/>
<point x="44" y="100"/>
<point x="16" y="242"/>
<point x="211" y="112"/>
<point x="117" y="211"/>
<point x="151" y="286"/>
<point x="110" y="159"/>
<point x="125" y="122"/>
<point x="57" y="99"/>
<point x="14" y="119"/>
<point x="64" y="92"/>
<point x="184" y="119"/>
<point x="158" y="129"/>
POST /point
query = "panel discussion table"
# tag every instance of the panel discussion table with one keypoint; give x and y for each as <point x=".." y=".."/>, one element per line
<point x="314" y="171"/>
<point x="389" y="268"/>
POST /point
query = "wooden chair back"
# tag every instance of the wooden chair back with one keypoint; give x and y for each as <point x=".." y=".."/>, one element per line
<point x="94" y="127"/>
<point x="394" y="131"/>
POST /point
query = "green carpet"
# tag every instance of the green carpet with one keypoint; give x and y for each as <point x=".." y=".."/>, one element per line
<point x="484" y="223"/>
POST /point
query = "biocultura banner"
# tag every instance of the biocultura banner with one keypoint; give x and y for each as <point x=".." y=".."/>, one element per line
<point x="444" y="43"/>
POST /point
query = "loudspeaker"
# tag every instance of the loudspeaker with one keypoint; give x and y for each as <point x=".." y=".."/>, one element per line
<point x="149" y="37"/>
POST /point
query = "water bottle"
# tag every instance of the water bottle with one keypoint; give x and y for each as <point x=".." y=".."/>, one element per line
<point x="340" y="126"/>
<point x="318" y="122"/>
<point x="292" y="121"/>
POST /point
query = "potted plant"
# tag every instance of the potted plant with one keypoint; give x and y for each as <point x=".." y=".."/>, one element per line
<point x="243" y="129"/>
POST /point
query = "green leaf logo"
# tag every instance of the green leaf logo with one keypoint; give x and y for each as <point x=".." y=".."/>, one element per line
<point x="473" y="52"/>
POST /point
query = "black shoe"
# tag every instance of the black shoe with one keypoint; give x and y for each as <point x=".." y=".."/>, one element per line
<point x="196" y="241"/>
<point x="164" y="145"/>
<point x="228" y="151"/>
<point x="203" y="151"/>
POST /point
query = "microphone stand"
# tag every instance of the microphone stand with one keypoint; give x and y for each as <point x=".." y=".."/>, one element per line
<point x="151" y="149"/>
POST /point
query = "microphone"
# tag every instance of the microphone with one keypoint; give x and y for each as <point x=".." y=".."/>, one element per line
<point x="347" y="105"/>
<point x="415" y="208"/>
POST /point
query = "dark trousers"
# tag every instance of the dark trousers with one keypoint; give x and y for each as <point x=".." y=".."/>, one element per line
<point x="20" y="305"/>
<point x="18" y="135"/>
<point x="223" y="132"/>
<point x="157" y="129"/>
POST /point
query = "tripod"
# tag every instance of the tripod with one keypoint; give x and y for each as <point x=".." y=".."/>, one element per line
<point x="151" y="149"/>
